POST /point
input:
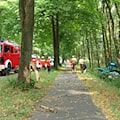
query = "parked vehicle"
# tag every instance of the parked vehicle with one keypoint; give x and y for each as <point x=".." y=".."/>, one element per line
<point x="111" y="71"/>
<point x="111" y="67"/>
<point x="9" y="57"/>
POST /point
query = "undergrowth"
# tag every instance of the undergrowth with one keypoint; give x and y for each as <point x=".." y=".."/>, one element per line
<point x="106" y="89"/>
<point x="17" y="99"/>
<point x="21" y="84"/>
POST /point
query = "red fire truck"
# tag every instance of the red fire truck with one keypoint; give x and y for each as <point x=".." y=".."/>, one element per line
<point x="9" y="57"/>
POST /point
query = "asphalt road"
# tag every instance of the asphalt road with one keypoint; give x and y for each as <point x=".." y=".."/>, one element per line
<point x="68" y="99"/>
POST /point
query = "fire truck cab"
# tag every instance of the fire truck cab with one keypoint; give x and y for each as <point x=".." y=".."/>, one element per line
<point x="9" y="57"/>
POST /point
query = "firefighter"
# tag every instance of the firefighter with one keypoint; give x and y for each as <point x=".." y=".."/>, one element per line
<point x="48" y="64"/>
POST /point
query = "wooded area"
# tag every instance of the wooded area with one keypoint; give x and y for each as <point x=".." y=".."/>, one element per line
<point x="86" y="28"/>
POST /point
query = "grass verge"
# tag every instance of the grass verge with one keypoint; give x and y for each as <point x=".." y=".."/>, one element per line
<point x="18" y="104"/>
<point x="105" y="96"/>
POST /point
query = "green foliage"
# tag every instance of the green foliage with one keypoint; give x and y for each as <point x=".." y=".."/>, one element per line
<point x="78" y="20"/>
<point x="74" y="18"/>
<point x="21" y="84"/>
<point x="9" y="21"/>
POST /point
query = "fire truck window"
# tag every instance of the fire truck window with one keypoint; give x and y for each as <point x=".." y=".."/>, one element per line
<point x="6" y="49"/>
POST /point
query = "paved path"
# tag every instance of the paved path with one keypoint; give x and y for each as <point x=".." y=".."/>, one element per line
<point x="69" y="99"/>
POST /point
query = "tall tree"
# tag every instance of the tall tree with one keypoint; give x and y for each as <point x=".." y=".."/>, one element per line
<point x="112" y="27"/>
<point x="118" y="13"/>
<point x="55" y="30"/>
<point x="26" y="10"/>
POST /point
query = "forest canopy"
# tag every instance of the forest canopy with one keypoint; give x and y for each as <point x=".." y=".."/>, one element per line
<point x="88" y="29"/>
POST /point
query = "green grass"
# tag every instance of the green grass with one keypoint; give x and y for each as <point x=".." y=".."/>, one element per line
<point x="106" y="93"/>
<point x="18" y="104"/>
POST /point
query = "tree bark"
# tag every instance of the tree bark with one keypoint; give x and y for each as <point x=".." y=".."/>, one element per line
<point x="26" y="10"/>
<point x="92" y="53"/>
<point x="54" y="41"/>
<point x="88" y="50"/>
<point x="108" y="37"/>
<point x="57" y="38"/>
<point x="118" y="13"/>
<point x="97" y="50"/>
<point x="1" y="24"/>
<point x="55" y="31"/>
<point x="104" y="45"/>
<point x="104" y="34"/>
<point x="112" y="27"/>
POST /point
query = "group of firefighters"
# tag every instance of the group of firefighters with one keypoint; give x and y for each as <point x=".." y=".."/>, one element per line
<point x="46" y="63"/>
<point x="42" y="63"/>
<point x="73" y="63"/>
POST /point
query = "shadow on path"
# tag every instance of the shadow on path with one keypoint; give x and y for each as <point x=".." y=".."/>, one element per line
<point x="68" y="99"/>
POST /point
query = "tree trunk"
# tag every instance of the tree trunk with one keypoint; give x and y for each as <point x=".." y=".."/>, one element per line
<point x="92" y="54"/>
<point x="54" y="41"/>
<point x="108" y="38"/>
<point x="97" y="50"/>
<point x="0" y="24"/>
<point x="118" y="13"/>
<point x="104" y="35"/>
<point x="57" y="38"/>
<point x="26" y="10"/>
<point x="55" y="31"/>
<point x="88" y="50"/>
<point x="112" y="28"/>
<point x="104" y="45"/>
